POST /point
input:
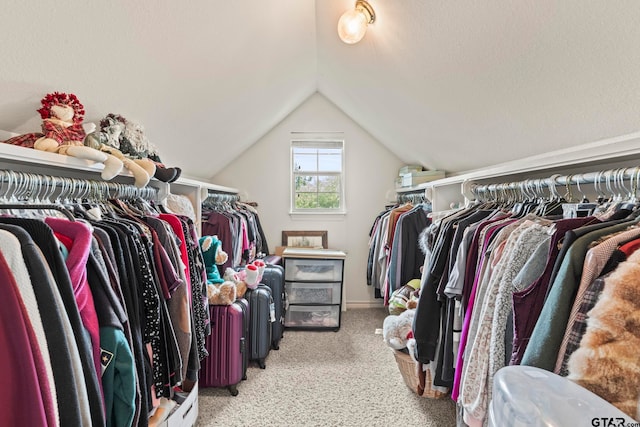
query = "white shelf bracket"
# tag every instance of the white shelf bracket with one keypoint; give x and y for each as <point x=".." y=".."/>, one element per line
<point x="466" y="188"/>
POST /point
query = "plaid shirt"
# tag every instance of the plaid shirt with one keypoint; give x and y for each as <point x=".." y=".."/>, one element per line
<point x="579" y="327"/>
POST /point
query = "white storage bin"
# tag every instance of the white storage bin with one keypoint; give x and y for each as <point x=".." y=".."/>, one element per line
<point x="525" y="396"/>
<point x="313" y="293"/>
<point x="314" y="316"/>
<point x="313" y="270"/>
<point x="415" y="178"/>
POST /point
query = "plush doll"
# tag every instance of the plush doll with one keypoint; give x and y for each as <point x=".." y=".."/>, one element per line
<point x="230" y="275"/>
<point x="248" y="277"/>
<point x="62" y="133"/>
<point x="397" y="329"/>
<point x="404" y="297"/>
<point x="219" y="291"/>
<point x="221" y="294"/>
<point x="107" y="140"/>
<point x="134" y="144"/>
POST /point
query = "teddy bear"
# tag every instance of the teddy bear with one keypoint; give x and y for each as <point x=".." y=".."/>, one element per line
<point x="397" y="329"/>
<point x="219" y="291"/>
<point x="230" y="275"/>
<point x="62" y="132"/>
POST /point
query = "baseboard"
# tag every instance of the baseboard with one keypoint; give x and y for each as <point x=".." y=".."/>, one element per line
<point x="364" y="304"/>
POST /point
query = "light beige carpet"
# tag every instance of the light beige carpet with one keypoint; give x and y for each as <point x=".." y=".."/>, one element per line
<point x="345" y="378"/>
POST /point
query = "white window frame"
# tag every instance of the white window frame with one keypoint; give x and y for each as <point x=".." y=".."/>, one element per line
<point x="318" y="142"/>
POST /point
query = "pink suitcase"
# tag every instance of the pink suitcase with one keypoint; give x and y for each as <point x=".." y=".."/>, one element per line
<point x="226" y="346"/>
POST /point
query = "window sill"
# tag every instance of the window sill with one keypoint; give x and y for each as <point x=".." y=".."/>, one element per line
<point x="324" y="215"/>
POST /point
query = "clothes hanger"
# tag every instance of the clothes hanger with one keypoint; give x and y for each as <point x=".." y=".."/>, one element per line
<point x="13" y="204"/>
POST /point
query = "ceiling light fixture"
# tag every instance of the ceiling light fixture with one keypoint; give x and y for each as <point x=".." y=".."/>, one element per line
<point x="353" y="23"/>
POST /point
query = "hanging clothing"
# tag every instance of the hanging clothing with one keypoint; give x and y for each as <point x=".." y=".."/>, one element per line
<point x="113" y="287"/>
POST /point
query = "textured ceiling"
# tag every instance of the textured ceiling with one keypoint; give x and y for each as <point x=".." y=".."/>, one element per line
<point x="459" y="85"/>
<point x="451" y="85"/>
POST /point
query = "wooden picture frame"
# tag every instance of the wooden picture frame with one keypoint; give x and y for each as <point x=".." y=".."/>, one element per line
<point x="305" y="239"/>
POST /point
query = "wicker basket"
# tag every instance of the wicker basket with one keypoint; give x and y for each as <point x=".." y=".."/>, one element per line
<point x="414" y="377"/>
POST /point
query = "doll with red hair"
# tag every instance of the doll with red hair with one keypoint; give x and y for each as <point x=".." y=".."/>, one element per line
<point x="62" y="133"/>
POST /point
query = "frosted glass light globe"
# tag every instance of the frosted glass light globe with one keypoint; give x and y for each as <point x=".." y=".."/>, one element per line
<point x="352" y="26"/>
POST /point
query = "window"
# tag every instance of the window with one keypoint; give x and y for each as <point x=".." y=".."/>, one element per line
<point x="317" y="176"/>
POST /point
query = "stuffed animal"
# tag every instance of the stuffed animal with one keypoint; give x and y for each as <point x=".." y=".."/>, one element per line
<point x="135" y="145"/>
<point x="213" y="256"/>
<point x="107" y="139"/>
<point x="219" y="291"/>
<point x="246" y="278"/>
<point x="62" y="133"/>
<point x="404" y="297"/>
<point x="221" y="294"/>
<point x="230" y="275"/>
<point x="397" y="329"/>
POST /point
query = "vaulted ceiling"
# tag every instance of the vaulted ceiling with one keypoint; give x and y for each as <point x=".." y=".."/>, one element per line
<point x="450" y="85"/>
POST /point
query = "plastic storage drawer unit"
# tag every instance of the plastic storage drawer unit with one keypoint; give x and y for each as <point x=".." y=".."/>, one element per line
<point x="313" y="316"/>
<point x="313" y="270"/>
<point x="313" y="293"/>
<point x="525" y="396"/>
<point x="313" y="284"/>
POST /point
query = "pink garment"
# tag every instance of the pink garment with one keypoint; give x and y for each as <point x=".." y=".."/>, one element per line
<point x="455" y="390"/>
<point x="76" y="263"/>
<point x="245" y="235"/>
<point x="26" y="395"/>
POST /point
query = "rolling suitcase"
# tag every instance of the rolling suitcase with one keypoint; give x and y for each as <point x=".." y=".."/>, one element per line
<point x="260" y="315"/>
<point x="226" y="346"/>
<point x="244" y="304"/>
<point x="273" y="277"/>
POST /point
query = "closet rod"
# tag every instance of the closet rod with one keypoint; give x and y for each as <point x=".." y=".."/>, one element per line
<point x="608" y="177"/>
<point x="222" y="197"/>
<point x="413" y="197"/>
<point x="24" y="186"/>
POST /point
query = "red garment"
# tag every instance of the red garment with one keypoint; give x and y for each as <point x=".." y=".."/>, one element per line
<point x="630" y="247"/>
<point x="25" y="392"/>
<point x="66" y="241"/>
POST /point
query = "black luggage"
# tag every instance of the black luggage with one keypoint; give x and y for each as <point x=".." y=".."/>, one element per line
<point x="246" y="323"/>
<point x="273" y="277"/>
<point x="260" y="316"/>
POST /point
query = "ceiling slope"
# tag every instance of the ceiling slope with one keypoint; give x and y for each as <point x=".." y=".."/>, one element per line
<point x="462" y="85"/>
<point x="450" y="85"/>
<point x="206" y="78"/>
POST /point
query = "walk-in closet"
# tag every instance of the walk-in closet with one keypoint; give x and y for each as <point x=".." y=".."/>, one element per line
<point x="320" y="213"/>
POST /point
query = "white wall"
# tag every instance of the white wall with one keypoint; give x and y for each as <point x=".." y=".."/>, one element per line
<point x="194" y="74"/>
<point x="263" y="173"/>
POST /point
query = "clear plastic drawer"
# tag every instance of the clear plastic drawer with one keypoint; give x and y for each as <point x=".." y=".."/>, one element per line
<point x="327" y="270"/>
<point x="318" y="316"/>
<point x="313" y="293"/>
